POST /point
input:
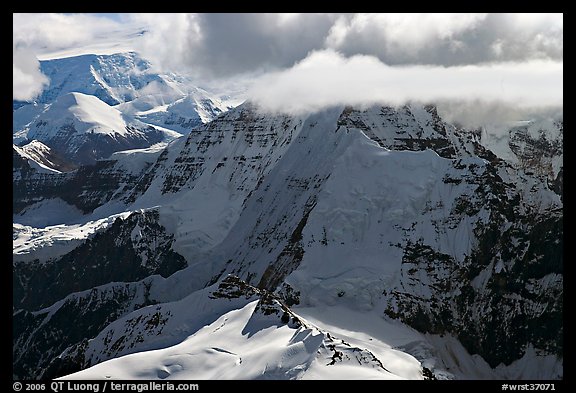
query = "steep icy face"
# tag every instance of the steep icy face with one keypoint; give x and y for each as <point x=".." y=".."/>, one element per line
<point x="446" y="246"/>
<point x="410" y="233"/>
<point x="336" y="210"/>
<point x="202" y="182"/>
<point x="111" y="78"/>
<point x="265" y="243"/>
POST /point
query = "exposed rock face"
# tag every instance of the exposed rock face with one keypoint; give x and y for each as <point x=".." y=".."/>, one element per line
<point x="42" y="154"/>
<point x="86" y="188"/>
<point x="40" y="337"/>
<point x="493" y="299"/>
<point x="129" y="250"/>
<point x="386" y="211"/>
<point x="538" y="153"/>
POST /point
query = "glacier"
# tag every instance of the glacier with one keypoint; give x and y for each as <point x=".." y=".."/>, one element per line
<point x="350" y="243"/>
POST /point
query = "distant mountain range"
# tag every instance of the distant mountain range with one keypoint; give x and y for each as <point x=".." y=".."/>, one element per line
<point x="96" y="105"/>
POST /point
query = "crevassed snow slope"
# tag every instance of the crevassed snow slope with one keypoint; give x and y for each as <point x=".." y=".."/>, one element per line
<point x="169" y="100"/>
<point x="387" y="212"/>
<point x="181" y="112"/>
<point x="112" y="78"/>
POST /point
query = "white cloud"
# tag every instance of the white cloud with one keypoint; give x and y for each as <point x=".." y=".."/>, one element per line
<point x="222" y="45"/>
<point x="168" y="40"/>
<point x="47" y="32"/>
<point x="449" y="39"/>
<point x="475" y="114"/>
<point x="398" y="35"/>
<point x="27" y="80"/>
<point x="35" y="34"/>
<point x="326" y="78"/>
<point x="316" y="60"/>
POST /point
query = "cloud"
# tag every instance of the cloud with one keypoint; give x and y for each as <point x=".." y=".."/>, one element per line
<point x="449" y="39"/>
<point x="323" y="59"/>
<point x="34" y="34"/>
<point x="27" y="80"/>
<point x="225" y="45"/>
<point x="222" y="45"/>
<point x="326" y="78"/>
<point x="50" y="32"/>
<point x="476" y="66"/>
<point x="497" y="116"/>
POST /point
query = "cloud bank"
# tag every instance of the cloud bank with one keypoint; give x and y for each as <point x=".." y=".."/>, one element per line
<point x="44" y="33"/>
<point x="304" y="62"/>
<point x="327" y="78"/>
<point x="293" y="61"/>
<point x="220" y="45"/>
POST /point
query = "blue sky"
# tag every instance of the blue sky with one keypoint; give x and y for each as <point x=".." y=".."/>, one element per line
<point x="113" y="16"/>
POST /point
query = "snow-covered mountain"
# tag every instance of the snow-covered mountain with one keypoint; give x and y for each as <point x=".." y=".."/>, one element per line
<point x="42" y="157"/>
<point x="183" y="114"/>
<point x="83" y="129"/>
<point x="112" y="78"/>
<point x="116" y="102"/>
<point x="379" y="243"/>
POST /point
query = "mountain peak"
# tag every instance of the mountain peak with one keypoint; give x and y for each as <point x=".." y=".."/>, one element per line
<point x="43" y="158"/>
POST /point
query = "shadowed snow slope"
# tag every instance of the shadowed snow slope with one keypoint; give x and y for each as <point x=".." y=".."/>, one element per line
<point x="377" y="243"/>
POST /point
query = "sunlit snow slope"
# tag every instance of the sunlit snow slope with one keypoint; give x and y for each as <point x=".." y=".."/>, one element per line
<point x="115" y="98"/>
<point x="378" y="243"/>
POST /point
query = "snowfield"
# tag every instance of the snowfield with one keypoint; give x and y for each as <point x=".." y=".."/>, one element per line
<point x="244" y="343"/>
<point x="212" y="242"/>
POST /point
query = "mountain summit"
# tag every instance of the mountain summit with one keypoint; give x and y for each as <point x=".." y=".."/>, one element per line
<point x="374" y="243"/>
<point x="96" y="105"/>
